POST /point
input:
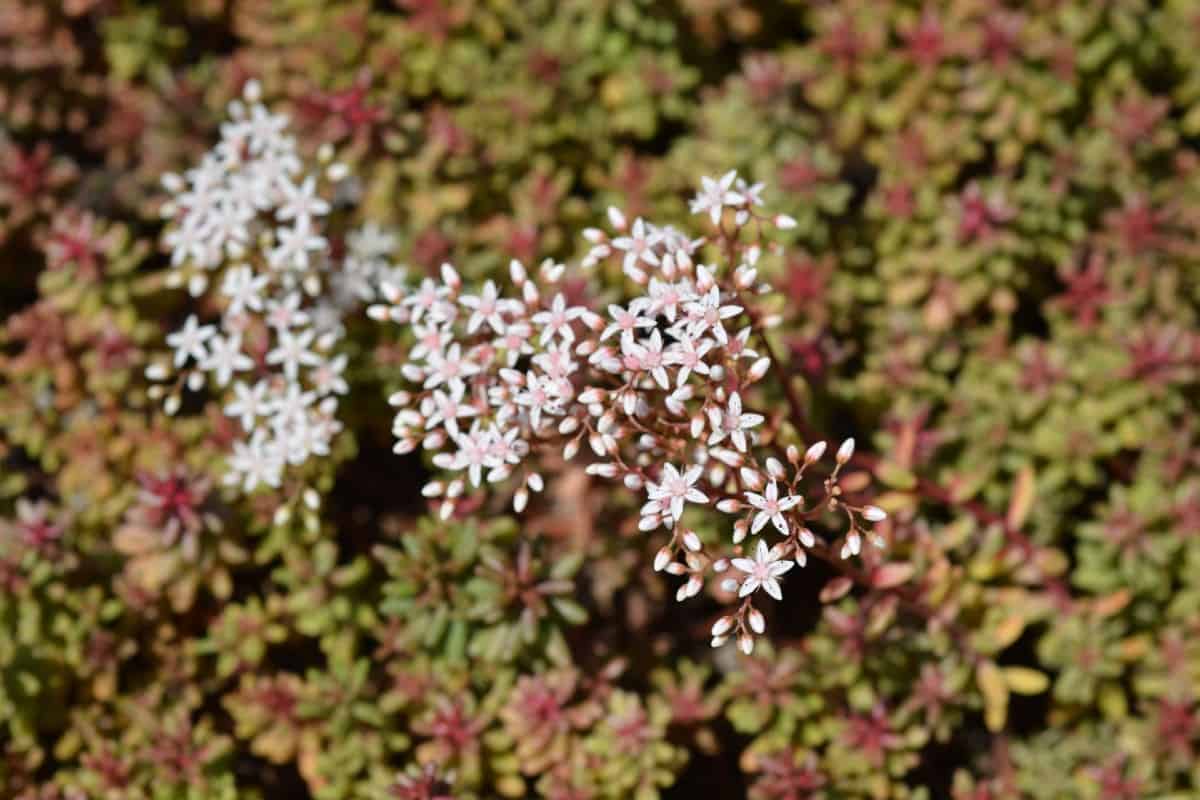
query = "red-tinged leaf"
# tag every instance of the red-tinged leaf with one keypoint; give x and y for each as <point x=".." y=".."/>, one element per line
<point x="1022" y="498"/>
<point x="891" y="575"/>
<point x="836" y="589"/>
<point x="1111" y="604"/>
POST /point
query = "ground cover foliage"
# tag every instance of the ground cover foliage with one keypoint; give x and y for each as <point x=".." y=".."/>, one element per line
<point x="974" y="256"/>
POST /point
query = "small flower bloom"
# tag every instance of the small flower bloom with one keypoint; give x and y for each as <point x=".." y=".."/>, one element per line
<point x="714" y="195"/>
<point x="732" y="422"/>
<point x="762" y="571"/>
<point x="676" y="488"/>
<point x="771" y="508"/>
<point x="556" y="321"/>
<point x="189" y="340"/>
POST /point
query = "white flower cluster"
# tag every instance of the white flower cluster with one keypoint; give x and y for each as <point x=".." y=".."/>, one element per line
<point x="498" y="380"/>
<point x="249" y="221"/>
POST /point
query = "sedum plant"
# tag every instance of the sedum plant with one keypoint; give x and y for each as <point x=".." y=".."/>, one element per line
<point x="953" y="240"/>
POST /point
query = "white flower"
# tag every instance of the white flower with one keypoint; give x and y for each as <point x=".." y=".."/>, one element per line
<point x="648" y="356"/>
<point x="300" y="202"/>
<point x="666" y="298"/>
<point x="676" y="488"/>
<point x="292" y="351"/>
<point x="254" y="462"/>
<point x="762" y="571"/>
<point x="732" y="422"/>
<point x="688" y="354"/>
<point x="327" y="377"/>
<point x="449" y="367"/>
<point x="540" y="395"/>
<point x="771" y="508"/>
<point x="484" y="308"/>
<point x="286" y="313"/>
<point x="225" y="357"/>
<point x="446" y="408"/>
<point x="474" y="453"/>
<point x="638" y="246"/>
<point x="707" y="315"/>
<point x="626" y="322"/>
<point x="249" y="404"/>
<point x="426" y="300"/>
<point x="751" y="194"/>
<point x="557" y="320"/>
<point x="244" y="290"/>
<point x="295" y="242"/>
<point x="714" y="195"/>
<point x="189" y="340"/>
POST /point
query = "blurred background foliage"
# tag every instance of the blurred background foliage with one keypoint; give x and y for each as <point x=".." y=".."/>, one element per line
<point x="994" y="284"/>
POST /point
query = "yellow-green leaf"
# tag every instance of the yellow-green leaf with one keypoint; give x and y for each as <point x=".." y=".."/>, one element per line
<point x="1022" y="498"/>
<point x="994" y="689"/>
<point x="1024" y="680"/>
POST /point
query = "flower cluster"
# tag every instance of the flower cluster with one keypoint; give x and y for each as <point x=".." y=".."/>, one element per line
<point x="249" y="221"/>
<point x="654" y="387"/>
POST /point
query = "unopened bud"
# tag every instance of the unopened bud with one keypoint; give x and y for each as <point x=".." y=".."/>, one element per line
<point x="661" y="559"/>
<point x="874" y="514"/>
<point x="722" y="626"/>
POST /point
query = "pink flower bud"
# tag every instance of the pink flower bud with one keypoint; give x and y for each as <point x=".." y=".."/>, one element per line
<point x="758" y="623"/>
<point x="874" y="514"/>
<point x="722" y="626"/>
<point x="814" y="453"/>
<point x="846" y="451"/>
<point x="691" y="541"/>
<point x="662" y="558"/>
<point x="759" y="369"/>
<point x="450" y="277"/>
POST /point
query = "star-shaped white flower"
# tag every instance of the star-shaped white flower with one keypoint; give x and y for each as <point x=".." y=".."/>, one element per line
<point x="638" y="246"/>
<point x="625" y="322"/>
<point x="485" y="307"/>
<point x="714" y="195"/>
<point x="763" y="571"/>
<point x="300" y="202"/>
<point x="189" y="340"/>
<point x="225" y="357"/>
<point x="688" y="354"/>
<point x="675" y="488"/>
<point x="292" y="351"/>
<point x="771" y="508"/>
<point x="732" y="422"/>
<point x="244" y="290"/>
<point x="707" y="315"/>
<point x="557" y="320"/>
